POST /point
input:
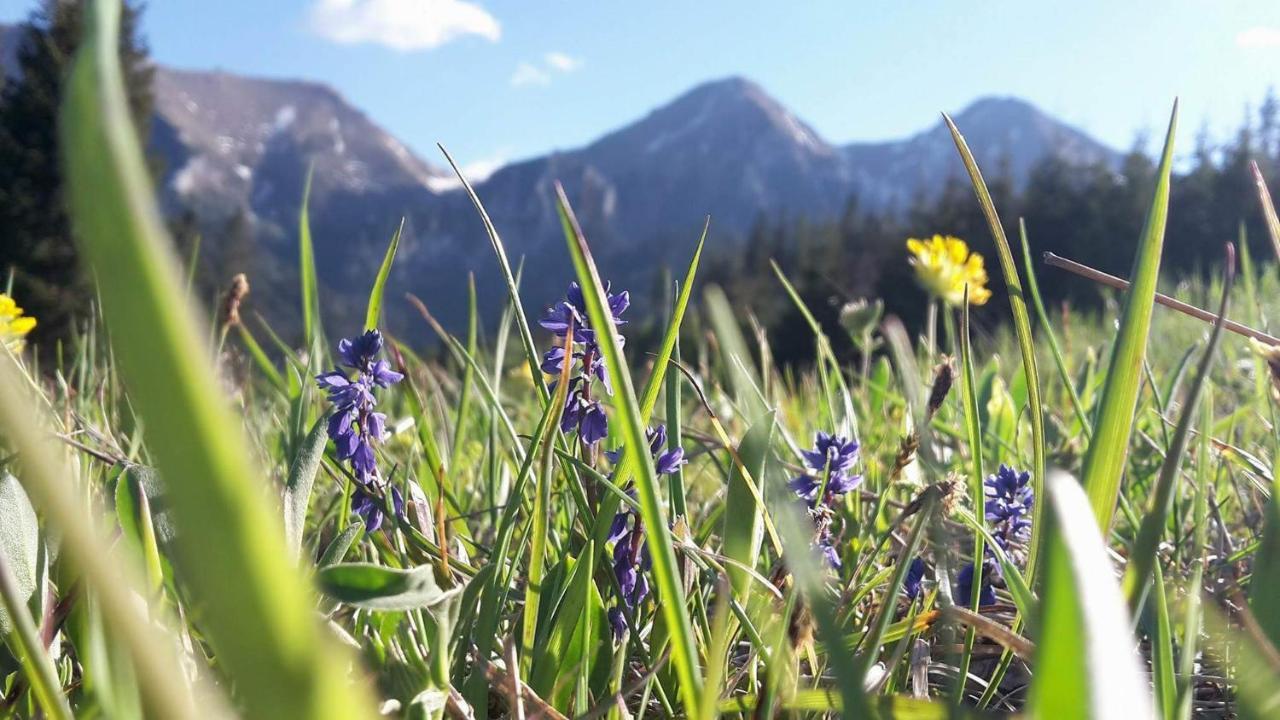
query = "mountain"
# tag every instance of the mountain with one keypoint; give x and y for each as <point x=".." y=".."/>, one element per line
<point x="235" y="153"/>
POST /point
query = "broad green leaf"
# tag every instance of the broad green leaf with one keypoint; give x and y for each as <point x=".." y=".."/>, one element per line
<point x="260" y="625"/>
<point x="19" y="542"/>
<point x="1104" y="463"/>
<point x="1086" y="660"/>
<point x="373" y="314"/>
<point x="297" y="486"/>
<point x="377" y="587"/>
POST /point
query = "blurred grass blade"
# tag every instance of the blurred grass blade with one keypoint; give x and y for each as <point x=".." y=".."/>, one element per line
<point x="297" y="486"/>
<point x="809" y="577"/>
<point x="255" y="606"/>
<point x="46" y="477"/>
<point x="1268" y="208"/>
<point x="743" y="516"/>
<point x="307" y="266"/>
<point x="24" y="639"/>
<point x="1086" y="663"/>
<point x="1138" y="575"/>
<point x="1105" y="461"/>
<point x="743" y="376"/>
<point x="670" y="595"/>
<point x="1256" y="663"/>
<point x="373" y="314"/>
<point x="1264" y="587"/>
<point x="1022" y="328"/>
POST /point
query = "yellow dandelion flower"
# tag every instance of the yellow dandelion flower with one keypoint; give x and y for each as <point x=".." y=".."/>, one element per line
<point x="944" y="265"/>
<point x="14" y="326"/>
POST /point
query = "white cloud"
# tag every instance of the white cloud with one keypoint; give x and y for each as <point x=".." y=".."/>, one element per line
<point x="403" y="25"/>
<point x="562" y="62"/>
<point x="1259" y="37"/>
<point x="527" y="74"/>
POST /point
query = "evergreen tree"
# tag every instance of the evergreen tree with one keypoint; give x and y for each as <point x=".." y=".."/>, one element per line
<point x="35" y="233"/>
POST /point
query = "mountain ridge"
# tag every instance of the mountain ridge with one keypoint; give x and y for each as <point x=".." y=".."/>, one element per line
<point x="237" y="152"/>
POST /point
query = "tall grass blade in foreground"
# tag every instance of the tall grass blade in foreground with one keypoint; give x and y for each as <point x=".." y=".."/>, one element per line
<point x="1264" y="588"/>
<point x="256" y="607"/>
<point x="1138" y="575"/>
<point x="670" y="593"/>
<point x="1022" y="327"/>
<point x="1104" y="464"/>
<point x="1086" y="665"/>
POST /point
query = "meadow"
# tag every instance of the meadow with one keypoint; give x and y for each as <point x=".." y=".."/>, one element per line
<point x="1073" y="517"/>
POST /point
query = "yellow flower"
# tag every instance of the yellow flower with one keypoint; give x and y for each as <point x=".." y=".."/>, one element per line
<point x="944" y="265"/>
<point x="13" y="325"/>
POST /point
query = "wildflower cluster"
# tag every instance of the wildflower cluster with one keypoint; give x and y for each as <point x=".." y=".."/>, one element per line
<point x="944" y="266"/>
<point x="1009" y="500"/>
<point x="14" y="326"/>
<point x="354" y="426"/>
<point x="631" y="559"/>
<point x="581" y="412"/>
<point x="831" y="463"/>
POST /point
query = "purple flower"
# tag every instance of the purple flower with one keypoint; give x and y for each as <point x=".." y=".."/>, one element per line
<point x="830" y="461"/>
<point x="964" y="587"/>
<point x="354" y="426"/>
<point x="631" y="559"/>
<point x="581" y="411"/>
<point x="1009" y="501"/>
<point x="912" y="584"/>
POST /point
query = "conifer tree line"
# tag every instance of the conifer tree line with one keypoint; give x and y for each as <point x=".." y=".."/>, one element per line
<point x="1090" y="213"/>
<point x="36" y="244"/>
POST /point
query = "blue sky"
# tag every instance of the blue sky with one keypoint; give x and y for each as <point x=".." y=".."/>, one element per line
<point x="497" y="80"/>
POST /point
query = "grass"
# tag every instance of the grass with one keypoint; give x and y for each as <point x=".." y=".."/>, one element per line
<point x="178" y="536"/>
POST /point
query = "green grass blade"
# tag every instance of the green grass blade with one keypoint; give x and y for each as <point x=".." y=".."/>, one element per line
<point x="807" y="572"/>
<point x="531" y="354"/>
<point x="1086" y="664"/>
<point x="307" y="267"/>
<point x="297" y="486"/>
<point x="649" y="397"/>
<point x="259" y="356"/>
<point x="255" y="605"/>
<point x="1105" y="461"/>
<point x="743" y="517"/>
<point x="18" y="625"/>
<point x="117" y="585"/>
<point x="1022" y="328"/>
<point x="1046" y="329"/>
<point x="1138" y="571"/>
<point x="670" y="592"/>
<point x="1268" y="208"/>
<point x="373" y="314"/>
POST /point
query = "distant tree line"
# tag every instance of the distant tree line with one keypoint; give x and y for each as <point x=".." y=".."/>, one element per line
<point x="36" y="244"/>
<point x="1091" y="213"/>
